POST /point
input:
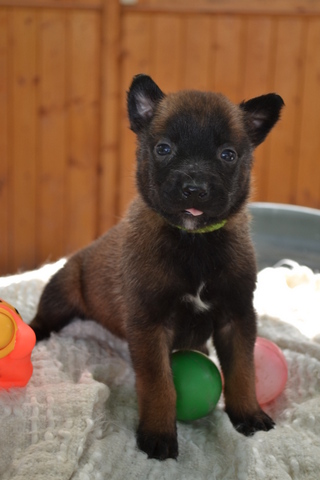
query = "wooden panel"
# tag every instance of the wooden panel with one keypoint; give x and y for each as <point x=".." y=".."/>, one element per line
<point x="4" y="145"/>
<point x="49" y="139"/>
<point x="52" y="135"/>
<point x="198" y="52"/>
<point x="229" y="56"/>
<point x="257" y="74"/>
<point x="308" y="178"/>
<point x="168" y="50"/>
<point x="63" y="97"/>
<point x="256" y="69"/>
<point x="288" y="68"/>
<point x="23" y="139"/>
<point x="137" y="57"/>
<point x="85" y="4"/>
<point x="276" y="7"/>
<point x="109" y="169"/>
<point x="83" y="133"/>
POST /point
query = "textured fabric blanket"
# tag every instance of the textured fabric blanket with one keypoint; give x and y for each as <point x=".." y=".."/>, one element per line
<point x="77" y="416"/>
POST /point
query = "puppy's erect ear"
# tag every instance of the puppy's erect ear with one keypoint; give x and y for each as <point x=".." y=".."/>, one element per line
<point x="143" y="97"/>
<point x="261" y="114"/>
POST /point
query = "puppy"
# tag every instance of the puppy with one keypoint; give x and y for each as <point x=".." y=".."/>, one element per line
<point x="180" y="267"/>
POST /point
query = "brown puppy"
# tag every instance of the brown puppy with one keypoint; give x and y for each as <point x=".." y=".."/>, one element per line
<point x="180" y="267"/>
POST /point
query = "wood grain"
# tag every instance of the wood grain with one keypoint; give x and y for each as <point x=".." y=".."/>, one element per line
<point x="229" y="56"/>
<point x="67" y="154"/>
<point x="168" y="51"/>
<point x="273" y="7"/>
<point x="4" y="142"/>
<point x="308" y="170"/>
<point x="257" y="72"/>
<point x="137" y="57"/>
<point x="61" y="4"/>
<point x="83" y="133"/>
<point x="109" y="161"/>
<point x="25" y="78"/>
<point x="288" y="68"/>
<point x="52" y="115"/>
<point x="198" y="52"/>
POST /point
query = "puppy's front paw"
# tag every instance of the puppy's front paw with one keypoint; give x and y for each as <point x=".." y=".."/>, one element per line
<point x="249" y="424"/>
<point x="157" y="445"/>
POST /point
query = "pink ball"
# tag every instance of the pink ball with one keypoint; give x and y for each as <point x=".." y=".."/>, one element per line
<point x="271" y="370"/>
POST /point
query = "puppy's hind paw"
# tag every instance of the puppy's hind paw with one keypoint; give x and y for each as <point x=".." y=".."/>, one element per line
<point x="160" y="446"/>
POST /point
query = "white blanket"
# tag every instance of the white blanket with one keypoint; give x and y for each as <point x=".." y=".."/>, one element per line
<point x="77" y="416"/>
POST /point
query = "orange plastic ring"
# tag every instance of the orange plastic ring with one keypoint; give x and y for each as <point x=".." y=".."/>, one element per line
<point x="8" y="329"/>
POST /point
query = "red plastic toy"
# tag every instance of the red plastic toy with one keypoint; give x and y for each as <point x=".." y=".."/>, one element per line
<point x="271" y="370"/>
<point x="17" y="340"/>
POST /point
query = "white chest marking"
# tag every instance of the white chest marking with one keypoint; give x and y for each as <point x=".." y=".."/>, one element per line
<point x="198" y="304"/>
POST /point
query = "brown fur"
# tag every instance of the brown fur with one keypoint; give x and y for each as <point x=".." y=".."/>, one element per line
<point x="139" y="279"/>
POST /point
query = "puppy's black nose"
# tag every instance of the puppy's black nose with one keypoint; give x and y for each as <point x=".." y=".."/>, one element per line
<point x="199" y="191"/>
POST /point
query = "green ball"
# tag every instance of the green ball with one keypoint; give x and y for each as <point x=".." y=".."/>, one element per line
<point x="198" y="384"/>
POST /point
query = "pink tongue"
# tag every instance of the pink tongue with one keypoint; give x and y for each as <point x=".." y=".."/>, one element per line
<point x="194" y="212"/>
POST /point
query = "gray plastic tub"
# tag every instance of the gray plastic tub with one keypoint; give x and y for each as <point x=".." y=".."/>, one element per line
<point x="285" y="232"/>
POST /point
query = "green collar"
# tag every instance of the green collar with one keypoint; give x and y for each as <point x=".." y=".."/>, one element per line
<point x="208" y="229"/>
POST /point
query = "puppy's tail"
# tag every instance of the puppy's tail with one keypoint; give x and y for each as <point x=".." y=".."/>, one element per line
<point x="60" y="302"/>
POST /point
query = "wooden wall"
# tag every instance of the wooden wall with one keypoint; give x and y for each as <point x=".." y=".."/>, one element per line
<point x="206" y="45"/>
<point x="54" y="84"/>
<point x="66" y="153"/>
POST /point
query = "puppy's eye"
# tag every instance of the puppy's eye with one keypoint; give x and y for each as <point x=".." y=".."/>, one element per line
<point x="228" y="155"/>
<point x="163" y="149"/>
